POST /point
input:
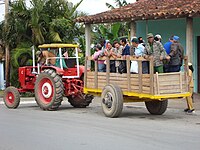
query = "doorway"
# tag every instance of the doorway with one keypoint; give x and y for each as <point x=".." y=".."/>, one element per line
<point x="198" y="63"/>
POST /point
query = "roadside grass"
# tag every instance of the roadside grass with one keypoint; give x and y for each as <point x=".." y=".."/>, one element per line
<point x="1" y="93"/>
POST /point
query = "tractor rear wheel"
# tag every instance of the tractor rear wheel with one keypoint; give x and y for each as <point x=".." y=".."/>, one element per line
<point x="156" y="107"/>
<point x="80" y="101"/>
<point x="49" y="90"/>
<point x="112" y="101"/>
<point x="11" y="97"/>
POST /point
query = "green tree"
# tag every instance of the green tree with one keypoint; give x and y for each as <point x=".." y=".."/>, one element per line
<point x="115" y="30"/>
<point x="107" y="31"/>
<point x="44" y="21"/>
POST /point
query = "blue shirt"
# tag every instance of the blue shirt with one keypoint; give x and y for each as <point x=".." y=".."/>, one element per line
<point x="167" y="47"/>
<point x="139" y="50"/>
<point x="126" y="50"/>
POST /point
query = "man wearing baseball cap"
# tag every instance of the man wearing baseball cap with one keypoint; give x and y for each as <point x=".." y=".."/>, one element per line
<point x="156" y="50"/>
<point x="138" y="52"/>
<point x="176" y="54"/>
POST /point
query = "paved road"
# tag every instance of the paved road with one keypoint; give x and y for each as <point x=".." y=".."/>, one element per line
<point x="29" y="128"/>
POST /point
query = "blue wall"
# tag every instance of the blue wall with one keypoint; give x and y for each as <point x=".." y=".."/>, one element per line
<point x="169" y="27"/>
<point x="165" y="28"/>
<point x="196" y="28"/>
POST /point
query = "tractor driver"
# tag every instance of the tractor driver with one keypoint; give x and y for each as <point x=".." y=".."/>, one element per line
<point x="43" y="55"/>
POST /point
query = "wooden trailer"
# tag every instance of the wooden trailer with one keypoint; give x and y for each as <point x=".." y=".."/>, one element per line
<point x="153" y="89"/>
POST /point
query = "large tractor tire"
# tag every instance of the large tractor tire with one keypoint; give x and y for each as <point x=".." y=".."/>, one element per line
<point x="49" y="90"/>
<point x="156" y="107"/>
<point x="80" y="101"/>
<point x="112" y="101"/>
<point x="11" y="97"/>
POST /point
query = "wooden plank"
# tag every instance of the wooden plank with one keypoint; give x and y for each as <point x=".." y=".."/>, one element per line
<point x="171" y="78"/>
<point x="157" y="83"/>
<point x="107" y="70"/>
<point x="166" y="83"/>
<point x="137" y="75"/>
<point x="145" y="88"/>
<point x="96" y="74"/>
<point x="170" y="87"/>
<point x="128" y="73"/>
<point x="124" y="75"/>
<point x="186" y="72"/>
<point x="143" y="79"/>
<point x="168" y="74"/>
<point x="120" y="85"/>
<point x="181" y="83"/>
<point x="86" y="72"/>
<point x="151" y="66"/>
<point x="169" y="92"/>
<point x="118" y="78"/>
<point x="143" y="84"/>
<point x="140" y="75"/>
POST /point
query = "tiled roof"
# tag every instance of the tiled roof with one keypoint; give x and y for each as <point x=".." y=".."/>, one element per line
<point x="147" y="9"/>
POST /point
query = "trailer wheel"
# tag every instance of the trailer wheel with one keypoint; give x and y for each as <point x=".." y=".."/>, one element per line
<point x="80" y="102"/>
<point x="156" y="107"/>
<point x="11" y="97"/>
<point x="49" y="90"/>
<point x="112" y="101"/>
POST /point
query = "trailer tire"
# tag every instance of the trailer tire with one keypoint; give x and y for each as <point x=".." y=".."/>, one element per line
<point x="11" y="97"/>
<point x="112" y="100"/>
<point x="156" y="107"/>
<point x="49" y="90"/>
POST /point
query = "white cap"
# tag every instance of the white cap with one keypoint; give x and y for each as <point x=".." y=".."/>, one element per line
<point x="158" y="36"/>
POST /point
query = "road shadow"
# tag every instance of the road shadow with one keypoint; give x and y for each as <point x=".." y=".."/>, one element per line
<point x="142" y="113"/>
<point x="135" y="115"/>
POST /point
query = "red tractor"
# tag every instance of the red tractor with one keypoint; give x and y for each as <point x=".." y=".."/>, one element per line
<point x="57" y="74"/>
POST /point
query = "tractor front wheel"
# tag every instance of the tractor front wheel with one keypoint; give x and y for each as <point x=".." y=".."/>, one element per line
<point x="80" y="101"/>
<point x="49" y="90"/>
<point x="156" y="107"/>
<point x="11" y="97"/>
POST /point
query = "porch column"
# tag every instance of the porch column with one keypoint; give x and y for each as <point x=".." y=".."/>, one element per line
<point x="189" y="39"/>
<point x="88" y="42"/>
<point x="147" y="28"/>
<point x="133" y="29"/>
<point x="1" y="75"/>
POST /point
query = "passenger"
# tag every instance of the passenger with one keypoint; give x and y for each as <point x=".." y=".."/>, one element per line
<point x="176" y="54"/>
<point x="190" y="107"/>
<point x="62" y="59"/>
<point x="103" y="43"/>
<point x="46" y="54"/>
<point x="139" y="52"/>
<point x="126" y="48"/>
<point x="156" y="50"/>
<point x="168" y="44"/>
<point x="167" y="47"/>
<point x="125" y="53"/>
<point x="96" y="55"/>
<point x="109" y="51"/>
<point x="118" y="52"/>
<point x="158" y="37"/>
<point x="40" y="59"/>
<point x="141" y="41"/>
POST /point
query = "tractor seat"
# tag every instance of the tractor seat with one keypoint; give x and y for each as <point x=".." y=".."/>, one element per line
<point x="71" y="63"/>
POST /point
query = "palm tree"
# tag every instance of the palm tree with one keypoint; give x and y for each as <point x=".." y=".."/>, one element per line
<point x="119" y="3"/>
<point x="123" y="29"/>
<point x="45" y="21"/>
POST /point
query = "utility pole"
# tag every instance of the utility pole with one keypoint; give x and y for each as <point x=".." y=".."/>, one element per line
<point x="7" y="67"/>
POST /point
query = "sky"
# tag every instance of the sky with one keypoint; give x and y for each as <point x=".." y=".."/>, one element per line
<point x="88" y="6"/>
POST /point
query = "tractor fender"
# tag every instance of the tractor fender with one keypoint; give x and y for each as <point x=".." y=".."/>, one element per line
<point x="58" y="70"/>
<point x="81" y="69"/>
